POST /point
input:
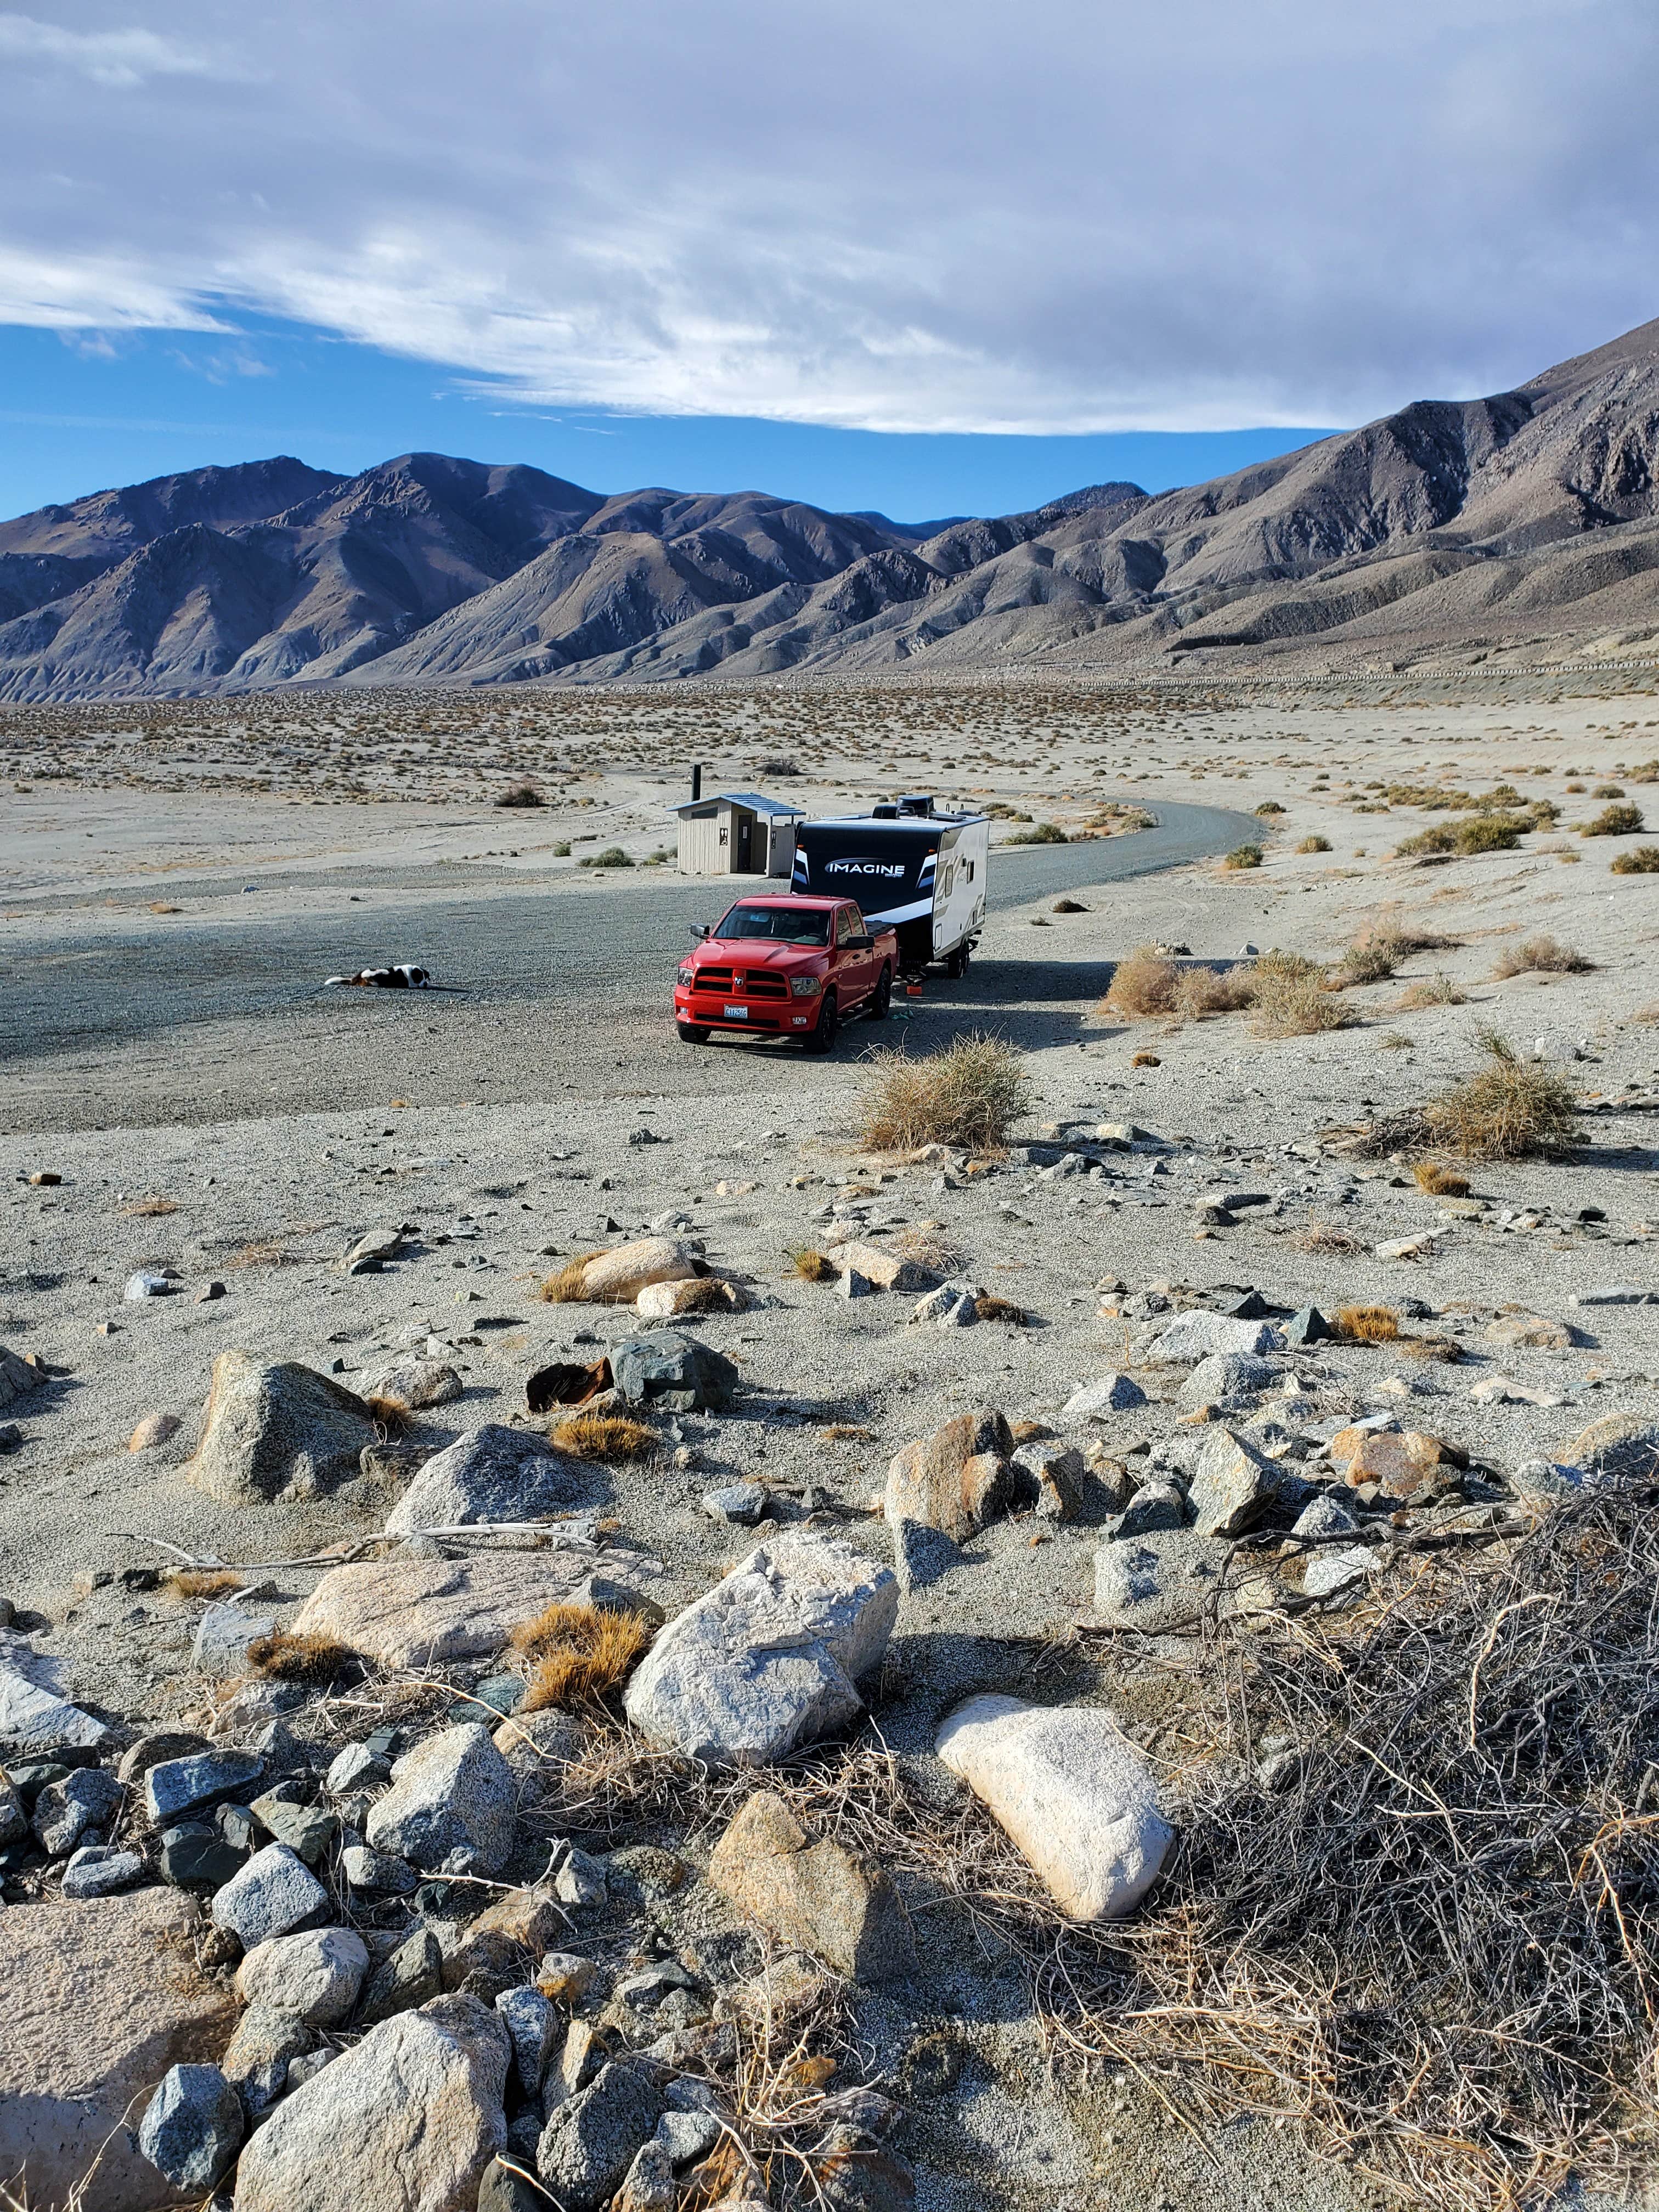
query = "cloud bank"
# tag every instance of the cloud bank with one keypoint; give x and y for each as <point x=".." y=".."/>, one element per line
<point x="949" y="215"/>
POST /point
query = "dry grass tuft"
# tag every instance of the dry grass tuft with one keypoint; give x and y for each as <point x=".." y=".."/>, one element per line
<point x="1437" y="991"/>
<point x="262" y="1252"/>
<point x="565" y="1288"/>
<point x="1324" y="1236"/>
<point x="993" y="1309"/>
<point x="578" y="1655"/>
<point x="1068" y="906"/>
<point x="1367" y="1324"/>
<point x="1544" y="956"/>
<point x="1510" y="1109"/>
<point x="1438" y="1181"/>
<point x="391" y="1414"/>
<point x="146" y="1209"/>
<point x="1315" y="845"/>
<point x="1293" y="997"/>
<point x="1146" y="983"/>
<point x="1643" y="860"/>
<point x="1202" y="992"/>
<point x="604" y="1436"/>
<point x="931" y="1246"/>
<point x="315" y="1660"/>
<point x="1144" y="1059"/>
<point x="967" y="1095"/>
<point x="199" y="1582"/>
<point x="811" y="1265"/>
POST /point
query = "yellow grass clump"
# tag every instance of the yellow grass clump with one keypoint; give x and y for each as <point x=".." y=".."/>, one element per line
<point x="1367" y="1324"/>
<point x="1508" y="1109"/>
<point x="1144" y="1059"/>
<point x="1436" y="991"/>
<point x="604" y="1436"/>
<point x="578" y="1655"/>
<point x="565" y="1288"/>
<point x="199" y="1582"/>
<point x="1542" y="955"/>
<point x="1438" y="1181"/>
<point x="1293" y="997"/>
<point x="811" y="1265"/>
<point x="967" y="1096"/>
<point x="315" y="1660"/>
<point x="1145" y="983"/>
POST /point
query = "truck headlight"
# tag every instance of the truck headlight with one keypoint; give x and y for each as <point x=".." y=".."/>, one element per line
<point x="807" y="986"/>
<point x="688" y="975"/>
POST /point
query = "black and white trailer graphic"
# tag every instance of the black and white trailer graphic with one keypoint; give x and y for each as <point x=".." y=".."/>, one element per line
<point x="911" y="869"/>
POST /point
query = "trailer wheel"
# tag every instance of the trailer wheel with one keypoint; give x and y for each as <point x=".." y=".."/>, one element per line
<point x="882" y="997"/>
<point x="956" y="962"/>
<point x="691" y="1032"/>
<point x="822" y="1036"/>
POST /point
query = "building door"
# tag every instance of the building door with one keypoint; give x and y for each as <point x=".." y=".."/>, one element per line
<point x="742" y="830"/>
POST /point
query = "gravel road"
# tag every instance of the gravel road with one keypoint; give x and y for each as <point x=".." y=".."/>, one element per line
<point x="604" y="947"/>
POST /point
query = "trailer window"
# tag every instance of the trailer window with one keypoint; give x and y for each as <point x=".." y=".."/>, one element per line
<point x="784" y="925"/>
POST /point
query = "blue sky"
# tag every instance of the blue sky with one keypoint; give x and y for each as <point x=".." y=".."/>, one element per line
<point x="79" y="411"/>
<point x="937" y="257"/>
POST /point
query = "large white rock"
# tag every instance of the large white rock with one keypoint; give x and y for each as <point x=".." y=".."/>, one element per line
<point x="768" y="1658"/>
<point x="415" y="1613"/>
<point x="497" y="1473"/>
<point x="1112" y="1394"/>
<point x="101" y="2000"/>
<point x="406" y="2121"/>
<point x="1196" y="1335"/>
<point x="279" y="1429"/>
<point x="618" y="1277"/>
<point x="1071" y="1791"/>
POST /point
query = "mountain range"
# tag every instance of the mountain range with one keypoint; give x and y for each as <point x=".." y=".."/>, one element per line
<point x="1526" y="523"/>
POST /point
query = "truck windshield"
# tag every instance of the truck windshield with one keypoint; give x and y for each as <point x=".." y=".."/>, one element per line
<point x="787" y="925"/>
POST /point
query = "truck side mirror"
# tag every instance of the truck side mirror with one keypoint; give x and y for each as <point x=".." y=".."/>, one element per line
<point x="699" y="930"/>
<point x="863" y="943"/>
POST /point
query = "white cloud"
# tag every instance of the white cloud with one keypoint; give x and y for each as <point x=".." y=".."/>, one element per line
<point x="947" y="216"/>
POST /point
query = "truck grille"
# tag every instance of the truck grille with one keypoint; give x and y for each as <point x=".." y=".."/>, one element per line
<point x="743" y="982"/>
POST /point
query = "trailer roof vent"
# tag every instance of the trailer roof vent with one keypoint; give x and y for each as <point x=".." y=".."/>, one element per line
<point x="916" y="802"/>
<point x="884" y="810"/>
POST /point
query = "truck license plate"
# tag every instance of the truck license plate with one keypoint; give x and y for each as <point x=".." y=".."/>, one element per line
<point x="736" y="1013"/>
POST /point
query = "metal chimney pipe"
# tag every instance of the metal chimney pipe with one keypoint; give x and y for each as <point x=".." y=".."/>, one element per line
<point x="697" y="781"/>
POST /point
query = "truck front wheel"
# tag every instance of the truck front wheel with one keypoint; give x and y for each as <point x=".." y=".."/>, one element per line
<point x="822" y="1036"/>
<point x="691" y="1032"/>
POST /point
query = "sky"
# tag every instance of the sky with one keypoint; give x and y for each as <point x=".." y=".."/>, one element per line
<point x="943" y="257"/>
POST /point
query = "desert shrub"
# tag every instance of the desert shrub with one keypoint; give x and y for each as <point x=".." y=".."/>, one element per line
<point x="604" y="1436"/>
<point x="565" y="1288"/>
<point x="392" y="1415"/>
<point x="519" y="794"/>
<point x="1613" y="822"/>
<point x="1608" y="790"/>
<point x="311" y="1659"/>
<point x="1644" y="772"/>
<point x="1044" y="832"/>
<point x="811" y="1265"/>
<point x="1145" y="983"/>
<point x="1436" y="990"/>
<point x="1268" y="806"/>
<point x="1201" y="991"/>
<point x="1508" y="1109"/>
<point x="1068" y="906"/>
<point x="1292" y="998"/>
<point x="1482" y="833"/>
<point x="967" y="1095"/>
<point x="1144" y="1059"/>
<point x="656" y="859"/>
<point x="1372" y="957"/>
<point x="562" y="850"/>
<point x="1438" y="1181"/>
<point x="1315" y="845"/>
<point x="1243" y="856"/>
<point x="1543" y="956"/>
<point x="1643" y="860"/>
<point x="578" y="1655"/>
<point x="779" y="764"/>
<point x="1367" y="1324"/>
<point x="612" y="857"/>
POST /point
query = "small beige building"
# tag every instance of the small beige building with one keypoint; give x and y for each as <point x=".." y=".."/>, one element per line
<point x="738" y="832"/>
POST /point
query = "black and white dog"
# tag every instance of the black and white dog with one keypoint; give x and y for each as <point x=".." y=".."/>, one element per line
<point x="403" y="977"/>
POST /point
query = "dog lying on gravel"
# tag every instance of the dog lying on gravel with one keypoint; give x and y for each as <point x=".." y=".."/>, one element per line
<point x="403" y="977"/>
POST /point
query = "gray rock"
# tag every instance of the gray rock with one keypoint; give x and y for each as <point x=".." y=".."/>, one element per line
<point x="277" y="1432"/>
<point x="416" y="1383"/>
<point x="1325" y="1515"/>
<point x="259" y="2055"/>
<point x="100" y="1869"/>
<point x="742" y="1503"/>
<point x="849" y="1284"/>
<point x="1194" y="1336"/>
<point x="1225" y="1377"/>
<point x="35" y="1719"/>
<point x="1235" y="1487"/>
<point x="1329" y="1574"/>
<point x="147" y="1283"/>
<point x="273" y="1893"/>
<point x="192" y="2127"/>
<point x="1616" y="1294"/>
<point x="1154" y="1507"/>
<point x="222" y="1636"/>
<point x="308" y="1830"/>
<point x="454" y="1794"/>
<point x="377" y="1873"/>
<point x="768" y="1659"/>
<point x="494" y="1474"/>
<point x="1111" y="1393"/>
<point x="412" y="1975"/>
<point x="1543" y="1482"/>
<point x="355" y="1768"/>
<point x="177" y="1786"/>
<point x="17" y="1378"/>
<point x="315" y="1975"/>
<point x="674" y="1373"/>
<point x="409" y="2120"/>
<point x="197" y="1857"/>
<point x="588" y="2144"/>
<point x="14" y="1820"/>
<point x="687" y="2136"/>
<point x="1156" y="1583"/>
<point x="1307" y="1325"/>
<point x="64" y="1811"/>
<point x="535" y="2027"/>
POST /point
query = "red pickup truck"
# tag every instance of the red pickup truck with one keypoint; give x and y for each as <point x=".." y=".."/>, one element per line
<point x="785" y="966"/>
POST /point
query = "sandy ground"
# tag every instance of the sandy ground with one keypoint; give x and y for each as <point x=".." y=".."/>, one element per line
<point x="498" y="1190"/>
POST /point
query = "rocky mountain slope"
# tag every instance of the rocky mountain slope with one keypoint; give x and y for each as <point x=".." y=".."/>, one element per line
<point x="1526" y="522"/>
